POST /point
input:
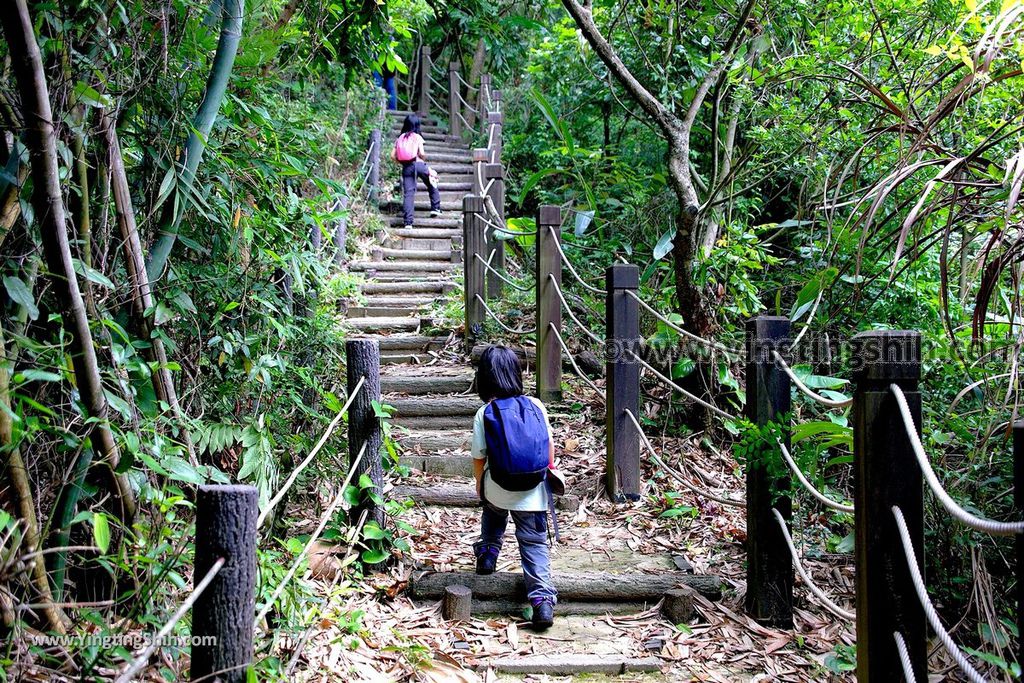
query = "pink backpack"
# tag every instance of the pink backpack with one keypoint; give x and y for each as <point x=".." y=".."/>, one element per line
<point x="407" y="147"/>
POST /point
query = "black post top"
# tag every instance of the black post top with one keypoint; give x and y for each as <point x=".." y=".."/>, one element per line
<point x="622" y="276"/>
<point x="886" y="356"/>
<point x="472" y="204"/>
<point x="549" y="214"/>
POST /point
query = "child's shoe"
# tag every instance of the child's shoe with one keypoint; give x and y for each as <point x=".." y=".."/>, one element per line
<point x="543" y="614"/>
<point x="408" y="227"/>
<point x="436" y="213"/>
<point x="486" y="561"/>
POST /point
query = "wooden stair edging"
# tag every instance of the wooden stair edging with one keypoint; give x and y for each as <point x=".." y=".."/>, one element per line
<point x="572" y="664"/>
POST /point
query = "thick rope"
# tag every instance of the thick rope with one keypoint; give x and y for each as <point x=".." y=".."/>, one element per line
<point x="561" y="342"/>
<point x="811" y="586"/>
<point x="312" y="454"/>
<point x="472" y="88"/>
<point x="693" y="488"/>
<point x="466" y="124"/>
<point x="510" y="283"/>
<point x="313" y="538"/>
<point x="677" y="328"/>
<point x="565" y="306"/>
<point x="503" y="326"/>
<point x="908" y="668"/>
<point x="958" y="513"/>
<point x="805" y="390"/>
<point x="568" y="264"/>
<point x="825" y="500"/>
<point x="139" y="663"/>
<point x="926" y="604"/>
<point x="713" y="408"/>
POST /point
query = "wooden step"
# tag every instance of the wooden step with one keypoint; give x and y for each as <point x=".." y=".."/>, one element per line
<point x="417" y="254"/>
<point x="437" y="384"/>
<point x="418" y="244"/>
<point x="407" y="276"/>
<point x="435" y="423"/>
<point x="376" y="324"/>
<point x="564" y="664"/>
<point x="422" y="203"/>
<point x="425" y="233"/>
<point x="399" y="301"/>
<point x="439" y="465"/>
<point x="402" y="266"/>
<point x="404" y="287"/>
<point x="459" y="184"/>
<point x="452" y="223"/>
<point x="431" y="442"/>
<point x="448" y="168"/>
<point x="411" y="342"/>
<point x="383" y="312"/>
<point x="399" y="358"/>
<point x="448" y="406"/>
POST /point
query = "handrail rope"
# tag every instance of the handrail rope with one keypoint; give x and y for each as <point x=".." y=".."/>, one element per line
<point x="498" y="227"/>
<point x="467" y="104"/>
<point x="908" y="668"/>
<point x="312" y="454"/>
<point x="693" y="488"/>
<point x="140" y="662"/>
<point x="713" y="408"/>
<point x="433" y="101"/>
<point x="926" y="604"/>
<point x="505" y="327"/>
<point x="568" y="264"/>
<point x="338" y="499"/>
<point x="510" y="283"/>
<point x="439" y="84"/>
<point x="465" y="123"/>
<point x="561" y="342"/>
<point x="466" y="83"/>
<point x="811" y="586"/>
<point x="568" y="309"/>
<point x="807" y="391"/>
<point x="825" y="500"/>
<point x="490" y="135"/>
<point x="680" y="330"/>
<point x="952" y="507"/>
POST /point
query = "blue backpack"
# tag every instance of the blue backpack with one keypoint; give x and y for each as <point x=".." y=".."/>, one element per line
<point x="517" y="443"/>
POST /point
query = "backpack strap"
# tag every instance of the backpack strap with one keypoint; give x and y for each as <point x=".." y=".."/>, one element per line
<point x="551" y="509"/>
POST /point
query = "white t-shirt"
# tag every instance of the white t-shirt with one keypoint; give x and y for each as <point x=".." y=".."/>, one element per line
<point x="534" y="500"/>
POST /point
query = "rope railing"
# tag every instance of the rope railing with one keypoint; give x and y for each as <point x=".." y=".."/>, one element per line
<point x="140" y="662"/>
<point x="811" y="586"/>
<point x="568" y="264"/>
<point x="437" y="82"/>
<point x="565" y="306"/>
<point x="468" y="106"/>
<point x="926" y="604"/>
<point x="807" y="391"/>
<point x="499" y="275"/>
<point x="314" y="537"/>
<point x="693" y="488"/>
<point x="689" y="335"/>
<point x="901" y="648"/>
<point x="312" y="454"/>
<point x="822" y="498"/>
<point x="494" y="317"/>
<point x="465" y="123"/>
<point x="470" y="88"/>
<point x="713" y="408"/>
<point x="568" y="354"/>
<point x="952" y="507"/>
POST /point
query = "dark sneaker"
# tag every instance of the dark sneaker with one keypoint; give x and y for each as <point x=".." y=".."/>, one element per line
<point x="543" y="614"/>
<point x="486" y="561"/>
<point x="436" y="213"/>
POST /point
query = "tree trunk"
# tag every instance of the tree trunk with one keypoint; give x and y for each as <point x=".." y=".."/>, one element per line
<point x="174" y="206"/>
<point x="475" y="71"/>
<point x="49" y="205"/>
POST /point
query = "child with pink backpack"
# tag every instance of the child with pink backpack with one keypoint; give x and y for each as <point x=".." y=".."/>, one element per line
<point x="409" y="152"/>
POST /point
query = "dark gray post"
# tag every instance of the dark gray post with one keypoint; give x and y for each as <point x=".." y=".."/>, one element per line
<point x="341" y="232"/>
<point x="622" y="392"/>
<point x="496" y="119"/>
<point x="886" y="473"/>
<point x="1018" y="502"/>
<point x="494" y="239"/>
<point x="425" y="66"/>
<point x="362" y="359"/>
<point x="223" y="615"/>
<point x="480" y="157"/>
<point x="373" y="182"/>
<point x="454" y="105"/>
<point x="549" y="306"/>
<point x="769" y="597"/>
<point x="473" y="243"/>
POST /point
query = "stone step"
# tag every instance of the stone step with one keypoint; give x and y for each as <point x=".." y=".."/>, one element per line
<point x="402" y="266"/>
<point x="417" y="254"/>
<point x="437" y="384"/>
<point x="440" y="465"/>
<point x="450" y="223"/>
<point x="378" y="324"/>
<point x="432" y="406"/>
<point x="383" y="312"/>
<point x="431" y="286"/>
<point x="430" y="442"/>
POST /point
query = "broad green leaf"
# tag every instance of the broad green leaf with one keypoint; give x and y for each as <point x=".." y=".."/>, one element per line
<point x="101" y="531"/>
<point x="664" y="244"/>
<point x="21" y="295"/>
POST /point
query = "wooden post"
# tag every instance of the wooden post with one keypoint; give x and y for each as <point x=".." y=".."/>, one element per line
<point x="223" y="615"/>
<point x="362" y="359"/>
<point x="483" y="95"/>
<point x="1018" y="502"/>
<point x="373" y="182"/>
<point x="769" y="599"/>
<point x="341" y="232"/>
<point x="886" y="474"/>
<point x="622" y="392"/>
<point x="495" y="241"/>
<point x="549" y="307"/>
<point x="497" y="120"/>
<point x="454" y="105"/>
<point x="480" y="157"/>
<point x="473" y="243"/>
<point x="425" y="66"/>
<point x="457" y="603"/>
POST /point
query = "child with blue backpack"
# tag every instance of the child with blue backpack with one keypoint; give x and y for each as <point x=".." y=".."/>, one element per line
<point x="513" y="450"/>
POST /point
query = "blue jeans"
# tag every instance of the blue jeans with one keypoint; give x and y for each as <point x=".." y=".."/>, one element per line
<point x="388" y="83"/>
<point x="532" y="534"/>
<point x="411" y="170"/>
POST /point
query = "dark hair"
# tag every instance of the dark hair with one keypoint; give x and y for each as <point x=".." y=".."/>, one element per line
<point x="411" y="124"/>
<point x="499" y="374"/>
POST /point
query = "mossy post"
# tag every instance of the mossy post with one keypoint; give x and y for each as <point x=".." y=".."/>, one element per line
<point x="473" y="242"/>
<point x="886" y="475"/>
<point x="454" y="102"/>
<point x="495" y="121"/>
<point x="223" y="615"/>
<point x="769" y="599"/>
<point x="362" y="360"/>
<point x="495" y="239"/>
<point x="549" y="306"/>
<point x="622" y="340"/>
